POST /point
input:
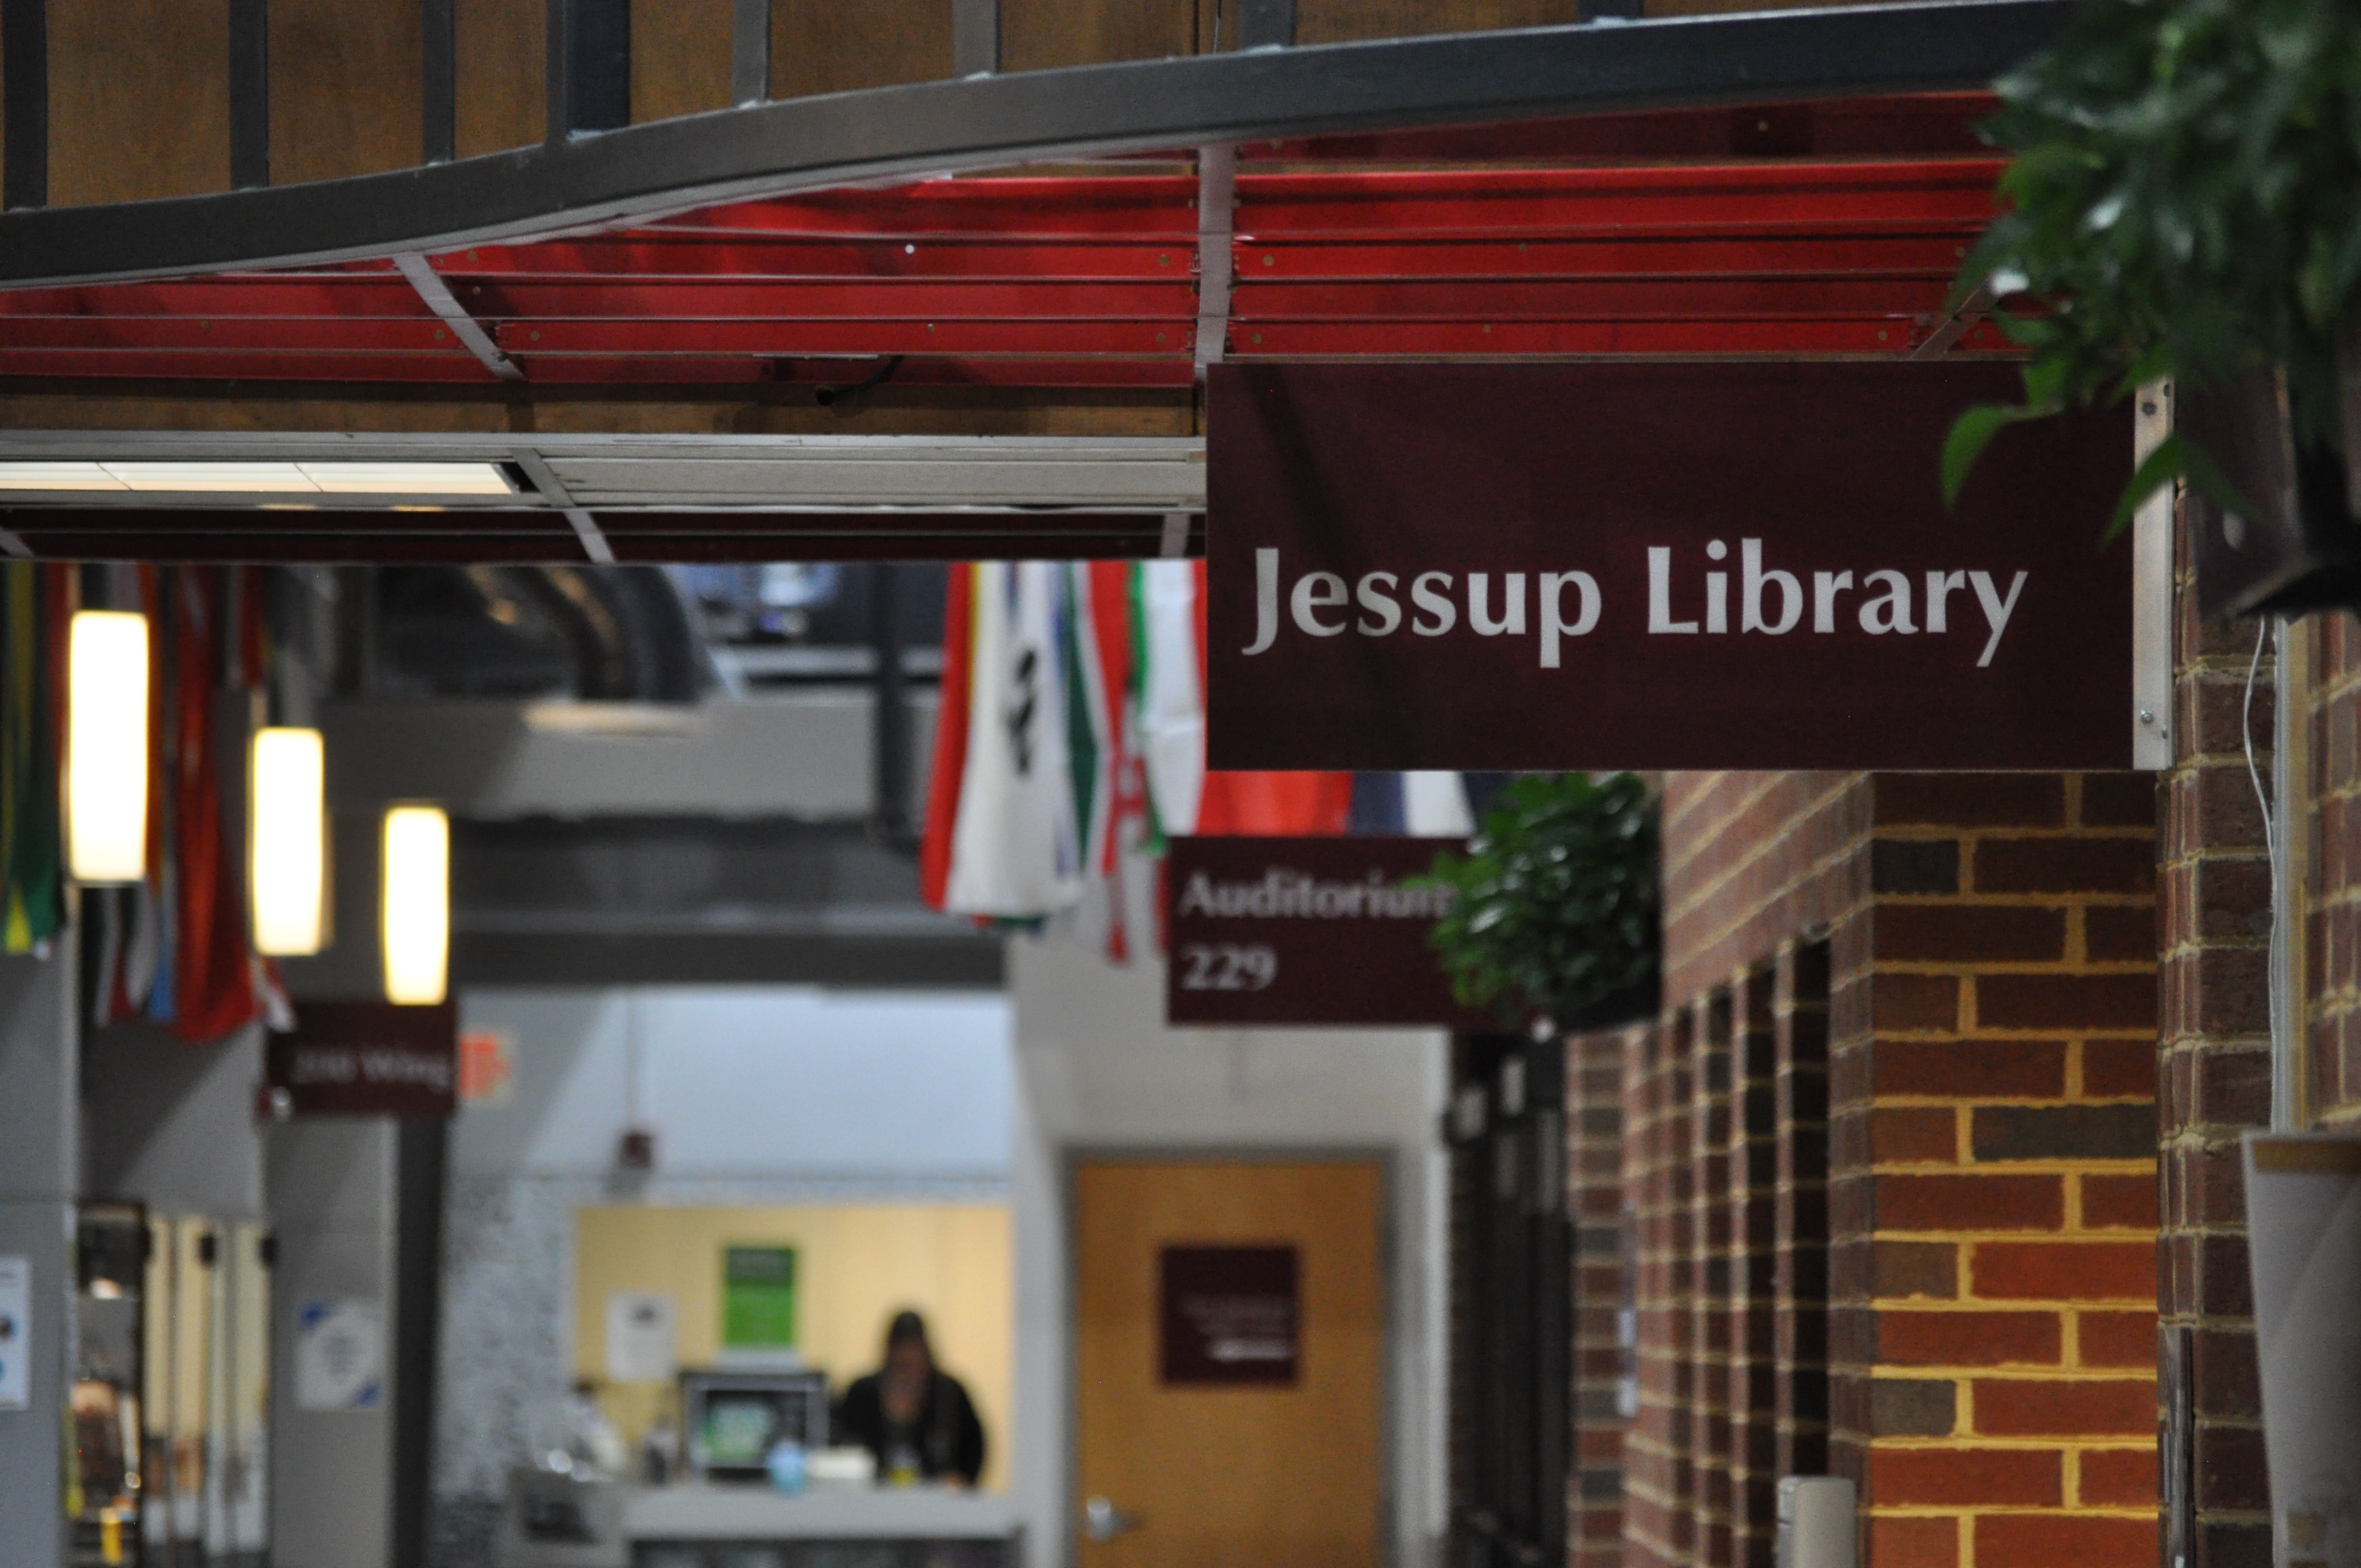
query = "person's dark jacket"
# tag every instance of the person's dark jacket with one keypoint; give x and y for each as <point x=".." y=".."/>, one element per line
<point x="946" y="1437"/>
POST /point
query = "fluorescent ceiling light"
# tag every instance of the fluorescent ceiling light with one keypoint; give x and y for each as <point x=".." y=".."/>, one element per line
<point x="287" y="839"/>
<point x="307" y="478"/>
<point x="107" y="746"/>
<point x="57" y="476"/>
<point x="241" y="479"/>
<point x="417" y="909"/>
<point x="409" y="479"/>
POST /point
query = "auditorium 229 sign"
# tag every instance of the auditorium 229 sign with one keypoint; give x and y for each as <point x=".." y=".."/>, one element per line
<point x="1658" y="567"/>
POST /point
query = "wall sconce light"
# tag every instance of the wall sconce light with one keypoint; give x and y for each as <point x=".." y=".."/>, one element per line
<point x="287" y="841"/>
<point x="417" y="913"/>
<point x="107" y="746"/>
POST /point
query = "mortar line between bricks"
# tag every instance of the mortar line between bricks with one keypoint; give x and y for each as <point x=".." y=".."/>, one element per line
<point x="2038" y="1102"/>
<point x="1708" y="835"/>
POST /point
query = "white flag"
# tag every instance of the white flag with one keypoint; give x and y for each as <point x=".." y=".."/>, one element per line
<point x="1173" y="727"/>
<point x="1015" y="850"/>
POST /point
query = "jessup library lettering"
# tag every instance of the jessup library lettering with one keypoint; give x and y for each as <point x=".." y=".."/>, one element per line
<point x="1684" y="600"/>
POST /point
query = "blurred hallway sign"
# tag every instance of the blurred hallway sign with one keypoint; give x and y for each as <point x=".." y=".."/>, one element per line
<point x="1307" y="931"/>
<point x="2304" y="1218"/>
<point x="1665" y="565"/>
<point x="339" y="1354"/>
<point x="366" y="1058"/>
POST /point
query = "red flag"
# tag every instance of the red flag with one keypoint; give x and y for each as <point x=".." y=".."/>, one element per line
<point x="949" y="765"/>
<point x="212" y="989"/>
<point x="1266" y="805"/>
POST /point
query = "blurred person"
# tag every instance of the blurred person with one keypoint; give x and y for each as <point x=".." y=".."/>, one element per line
<point x="916" y="1418"/>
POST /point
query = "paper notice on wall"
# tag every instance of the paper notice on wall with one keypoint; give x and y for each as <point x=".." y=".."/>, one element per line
<point x="16" y="1334"/>
<point x="640" y="1338"/>
<point x="2303" y="1217"/>
<point x="339" y="1355"/>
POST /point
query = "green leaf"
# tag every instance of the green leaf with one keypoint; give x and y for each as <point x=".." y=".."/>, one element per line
<point x="1971" y="434"/>
<point x="2206" y="477"/>
<point x="2168" y="462"/>
<point x="1556" y="901"/>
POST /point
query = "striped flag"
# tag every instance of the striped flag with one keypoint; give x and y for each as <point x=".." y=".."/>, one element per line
<point x="1014" y="846"/>
<point x="1071" y="739"/>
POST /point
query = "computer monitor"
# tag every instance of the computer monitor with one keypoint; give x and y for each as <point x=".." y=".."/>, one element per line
<point x="732" y="1419"/>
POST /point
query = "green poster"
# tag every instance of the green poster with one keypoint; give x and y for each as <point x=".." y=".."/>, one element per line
<point x="758" y="1297"/>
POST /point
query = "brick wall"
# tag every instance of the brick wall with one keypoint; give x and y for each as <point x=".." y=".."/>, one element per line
<point x="1659" y="1471"/>
<point x="1754" y="859"/>
<point x="1594" y="1120"/>
<point x="2332" y="825"/>
<point x="1994" y="1202"/>
<point x="2214" y="921"/>
<point x="1931" y="998"/>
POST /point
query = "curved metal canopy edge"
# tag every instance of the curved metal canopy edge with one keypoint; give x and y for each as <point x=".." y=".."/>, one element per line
<point x="988" y="121"/>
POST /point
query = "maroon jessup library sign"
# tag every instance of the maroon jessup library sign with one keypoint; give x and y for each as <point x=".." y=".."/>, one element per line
<point x="1686" y="565"/>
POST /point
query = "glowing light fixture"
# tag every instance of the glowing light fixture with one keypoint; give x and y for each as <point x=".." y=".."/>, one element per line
<point x="417" y="915"/>
<point x="107" y="746"/>
<point x="205" y="477"/>
<point x="287" y="839"/>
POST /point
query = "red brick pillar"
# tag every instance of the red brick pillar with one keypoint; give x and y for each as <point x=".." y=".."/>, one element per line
<point x="1995" y="1141"/>
<point x="1710" y="1231"/>
<point x="1658" y="1485"/>
<point x="2213" y="1030"/>
<point x="2332" y="917"/>
<point x="1595" y="1202"/>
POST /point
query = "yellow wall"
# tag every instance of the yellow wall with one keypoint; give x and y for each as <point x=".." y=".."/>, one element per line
<point x="855" y="1267"/>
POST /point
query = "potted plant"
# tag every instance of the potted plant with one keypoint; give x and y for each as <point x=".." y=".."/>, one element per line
<point x="2185" y="204"/>
<point x="1554" y="920"/>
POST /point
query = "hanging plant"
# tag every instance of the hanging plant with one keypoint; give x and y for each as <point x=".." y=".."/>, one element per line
<point x="1557" y="905"/>
<point x="2185" y="203"/>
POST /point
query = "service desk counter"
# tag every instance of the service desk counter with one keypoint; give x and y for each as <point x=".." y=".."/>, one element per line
<point x="701" y="1525"/>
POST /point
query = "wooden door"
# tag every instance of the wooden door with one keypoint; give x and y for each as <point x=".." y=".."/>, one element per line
<point x="1238" y="1454"/>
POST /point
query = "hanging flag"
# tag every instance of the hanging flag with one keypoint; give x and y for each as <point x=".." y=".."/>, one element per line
<point x="32" y="885"/>
<point x="947" y="769"/>
<point x="212" y="980"/>
<point x="1015" y="847"/>
<point x="1172" y="688"/>
<point x="1115" y="825"/>
<point x="1090" y="738"/>
<point x="1434" y="805"/>
<point x="153" y="947"/>
<point x="1275" y="805"/>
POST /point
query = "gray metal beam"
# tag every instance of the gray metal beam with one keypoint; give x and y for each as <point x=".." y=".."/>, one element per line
<point x="1266" y="24"/>
<point x="552" y="490"/>
<point x="436" y="296"/>
<point x="750" y="51"/>
<point x="987" y="121"/>
<point x="556" y="112"/>
<point x="25" y="81"/>
<point x="975" y="37"/>
<point x="438" y="81"/>
<point x="249" y="95"/>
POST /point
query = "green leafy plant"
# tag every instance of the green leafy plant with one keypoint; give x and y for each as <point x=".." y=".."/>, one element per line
<point x="2185" y="202"/>
<point x="1557" y="905"/>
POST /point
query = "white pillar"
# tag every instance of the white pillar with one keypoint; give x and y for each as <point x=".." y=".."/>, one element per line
<point x="332" y="1207"/>
<point x="39" y="1160"/>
